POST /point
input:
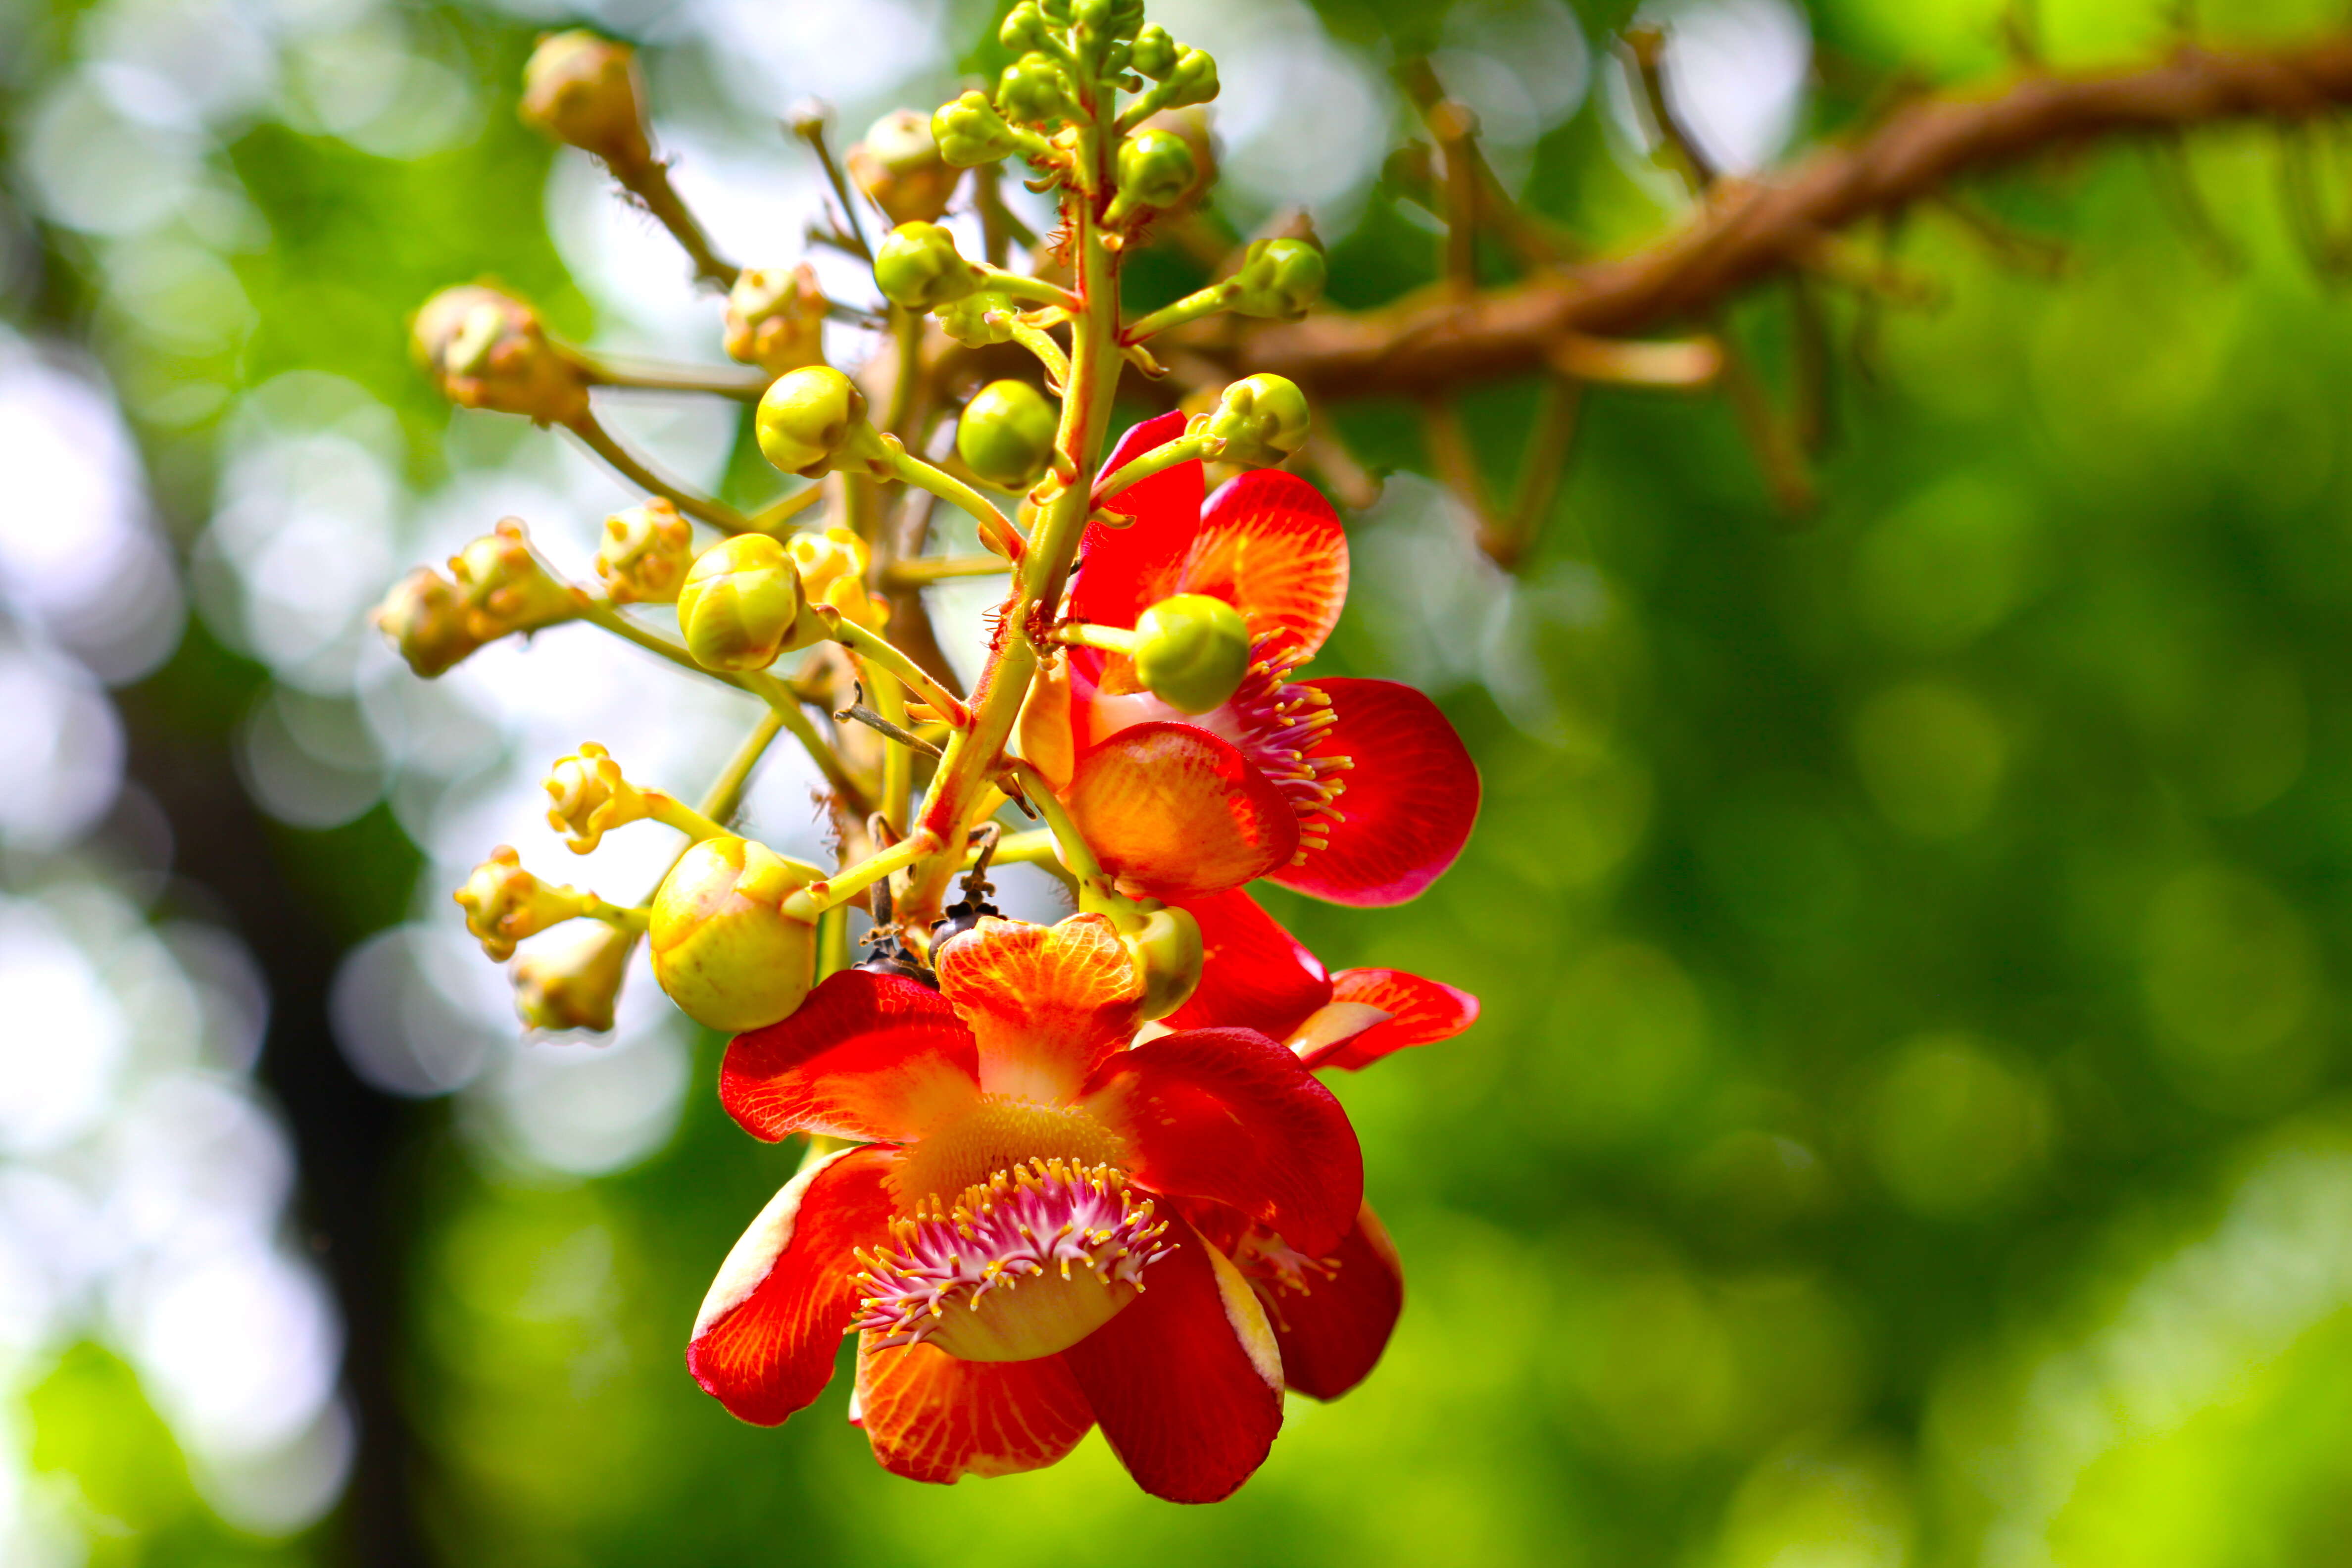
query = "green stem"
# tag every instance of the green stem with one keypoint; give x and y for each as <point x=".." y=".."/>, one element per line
<point x="649" y="182"/>
<point x="851" y="880"/>
<point x="672" y="812"/>
<point x="880" y="651"/>
<point x="924" y="569"/>
<point x="898" y="761"/>
<point x="1167" y="455"/>
<point x="1075" y="853"/>
<point x="1082" y="633"/>
<point x="1202" y="303"/>
<point x="726" y="792"/>
<point x="814" y="137"/>
<point x="633" y="920"/>
<point x="993" y="524"/>
<point x="1035" y="290"/>
<point x="675" y="378"/>
<point x="717" y="514"/>
<point x="1039" y="342"/>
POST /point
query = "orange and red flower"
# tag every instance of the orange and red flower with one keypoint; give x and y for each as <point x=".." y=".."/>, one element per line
<point x="1332" y="1313"/>
<point x="1356" y="791"/>
<point x="1010" y="1233"/>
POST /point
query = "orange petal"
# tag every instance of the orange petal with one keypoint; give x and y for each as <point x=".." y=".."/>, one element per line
<point x="764" y="1341"/>
<point x="1420" y="1013"/>
<point x="1046" y="738"/>
<point x="1187" y="1380"/>
<point x="1046" y="1003"/>
<point x="932" y="1418"/>
<point x="1271" y="546"/>
<point x="1177" y="813"/>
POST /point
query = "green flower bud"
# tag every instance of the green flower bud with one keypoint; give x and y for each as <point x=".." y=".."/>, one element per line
<point x="1263" y="419"/>
<point x="575" y="986"/>
<point x="1167" y="954"/>
<point x="1192" y="651"/>
<point x="582" y="90"/>
<point x="1154" y="53"/>
<point x="966" y="319"/>
<point x="1023" y="28"/>
<point x="504" y="903"/>
<point x="1193" y="79"/>
<point x="485" y="349"/>
<point x="425" y="618"/>
<point x="723" y="947"/>
<point x="644" y="552"/>
<point x="899" y="164"/>
<point x="919" y="267"/>
<point x="1006" y="434"/>
<point x="1108" y="18"/>
<point x="1155" y="169"/>
<point x="775" y="319"/>
<point x="740" y="605"/>
<point x="805" y="419"/>
<point x="1280" y="278"/>
<point x="970" y="132"/>
<point x="1035" y="90"/>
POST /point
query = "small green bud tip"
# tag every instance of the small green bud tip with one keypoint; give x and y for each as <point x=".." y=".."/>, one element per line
<point x="970" y="132"/>
<point x="899" y="164"/>
<point x="1280" y="278"/>
<point x="582" y="90"/>
<point x="1033" y="91"/>
<point x="644" y="552"/>
<point x="723" y="947"/>
<point x="575" y="986"/>
<point x="1192" y="651"/>
<point x="1156" y="169"/>
<point x="1006" y="434"/>
<point x="806" y="417"/>
<point x="1263" y="420"/>
<point x="919" y="267"/>
<point x="1155" y="52"/>
<point x="1168" y="954"/>
<point x="740" y="605"/>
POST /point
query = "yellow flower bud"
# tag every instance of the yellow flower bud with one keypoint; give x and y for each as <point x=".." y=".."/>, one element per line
<point x="724" y="946"/>
<point x="1006" y="434"/>
<point x="506" y="588"/>
<point x="919" y="267"/>
<point x="775" y="319"/>
<point x="807" y="417"/>
<point x="1167" y="954"/>
<point x="833" y="566"/>
<point x="740" y="605"/>
<point x="591" y="797"/>
<point x="424" y="618"/>
<point x="1192" y="651"/>
<point x="485" y="349"/>
<point x="575" y="986"/>
<point x="583" y="91"/>
<point x="504" y="903"/>
<point x="644" y="552"/>
<point x="1263" y="418"/>
<point x="899" y="164"/>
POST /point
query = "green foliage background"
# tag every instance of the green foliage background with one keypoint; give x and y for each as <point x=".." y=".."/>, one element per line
<point x="1907" y="1123"/>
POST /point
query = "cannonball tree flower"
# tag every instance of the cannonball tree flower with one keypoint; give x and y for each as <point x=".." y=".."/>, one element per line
<point x="1352" y="790"/>
<point x="1332" y="1313"/>
<point x="1003" y="1235"/>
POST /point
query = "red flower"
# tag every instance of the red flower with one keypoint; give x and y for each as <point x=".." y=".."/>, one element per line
<point x="1003" y="1235"/>
<point x="1332" y="1313"/>
<point x="1356" y="791"/>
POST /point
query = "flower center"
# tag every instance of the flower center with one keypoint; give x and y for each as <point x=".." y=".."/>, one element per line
<point x="1275" y="1269"/>
<point x="1026" y="1264"/>
<point x="998" y="1134"/>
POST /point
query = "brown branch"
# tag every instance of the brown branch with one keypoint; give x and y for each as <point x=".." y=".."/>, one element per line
<point x="1745" y="232"/>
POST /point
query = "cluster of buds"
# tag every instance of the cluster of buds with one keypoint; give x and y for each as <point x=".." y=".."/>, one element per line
<point x="1145" y="713"/>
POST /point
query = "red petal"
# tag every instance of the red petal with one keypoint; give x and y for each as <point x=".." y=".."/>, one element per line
<point x="1177" y="813"/>
<point x="867" y="1056"/>
<point x="1409" y="802"/>
<point x="764" y="1341"/>
<point x="1230" y="1115"/>
<point x="1271" y="546"/>
<point x="1253" y="973"/>
<point x="1332" y="1332"/>
<point x="1187" y="1381"/>
<point x="1421" y="1012"/>
<point x="1120" y="562"/>
<point x="931" y="1417"/>
<point x="1046" y="1003"/>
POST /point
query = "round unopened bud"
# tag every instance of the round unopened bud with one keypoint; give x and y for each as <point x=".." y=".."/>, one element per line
<point x="775" y="319"/>
<point x="1263" y="419"/>
<point x="1035" y="90"/>
<point x="574" y="986"/>
<point x="583" y="91"/>
<point x="591" y="797"/>
<point x="806" y="417"/>
<point x="1280" y="278"/>
<point x="644" y="553"/>
<point x="899" y="164"/>
<point x="832" y="565"/>
<point x="1156" y="169"/>
<point x="919" y="267"/>
<point x="1193" y="79"/>
<point x="1154" y="53"/>
<point x="1192" y="651"/>
<point x="425" y="618"/>
<point x="970" y="132"/>
<point x="740" y="605"/>
<point x="1006" y="434"/>
<point x="969" y="320"/>
<point x="506" y="589"/>
<point x="724" y="946"/>
<point x="1167" y="954"/>
<point x="1023" y="28"/>
<point x="485" y="349"/>
<point x="504" y="903"/>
